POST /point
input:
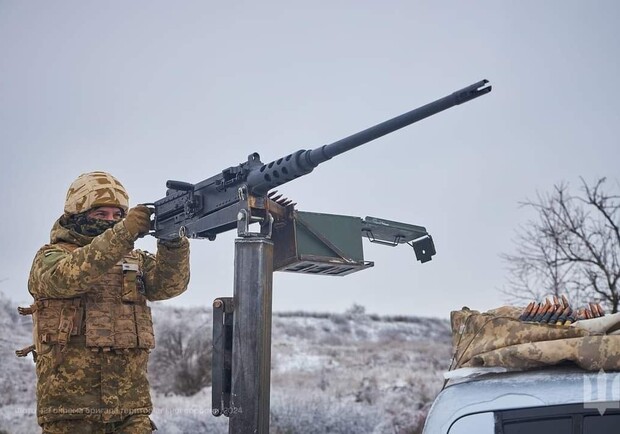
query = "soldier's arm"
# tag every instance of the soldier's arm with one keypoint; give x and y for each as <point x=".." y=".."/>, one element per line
<point x="166" y="274"/>
<point x="57" y="273"/>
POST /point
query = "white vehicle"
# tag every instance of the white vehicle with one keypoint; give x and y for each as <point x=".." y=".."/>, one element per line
<point x="557" y="400"/>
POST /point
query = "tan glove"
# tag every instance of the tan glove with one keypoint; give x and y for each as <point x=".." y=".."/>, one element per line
<point x="138" y="221"/>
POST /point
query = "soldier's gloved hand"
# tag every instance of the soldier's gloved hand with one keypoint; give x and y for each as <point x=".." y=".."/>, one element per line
<point x="138" y="221"/>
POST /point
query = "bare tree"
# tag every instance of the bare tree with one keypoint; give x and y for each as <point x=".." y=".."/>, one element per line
<point x="181" y="362"/>
<point x="572" y="247"/>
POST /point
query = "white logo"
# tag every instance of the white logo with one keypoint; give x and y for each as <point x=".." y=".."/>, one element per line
<point x="601" y="392"/>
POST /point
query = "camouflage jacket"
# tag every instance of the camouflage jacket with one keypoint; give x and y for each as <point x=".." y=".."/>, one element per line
<point x="107" y="383"/>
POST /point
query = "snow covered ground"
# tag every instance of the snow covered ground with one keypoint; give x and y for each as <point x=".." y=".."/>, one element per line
<point x="340" y="373"/>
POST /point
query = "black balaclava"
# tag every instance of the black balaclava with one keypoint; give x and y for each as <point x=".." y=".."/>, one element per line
<point x="84" y="225"/>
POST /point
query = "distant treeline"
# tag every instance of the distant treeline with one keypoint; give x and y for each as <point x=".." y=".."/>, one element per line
<point x="355" y="315"/>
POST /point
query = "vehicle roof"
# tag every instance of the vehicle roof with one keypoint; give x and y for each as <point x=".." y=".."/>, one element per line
<point x="510" y="390"/>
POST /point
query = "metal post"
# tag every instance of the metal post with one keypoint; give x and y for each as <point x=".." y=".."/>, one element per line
<point x="251" y="363"/>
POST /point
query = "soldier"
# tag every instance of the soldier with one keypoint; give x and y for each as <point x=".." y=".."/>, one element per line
<point x="92" y="327"/>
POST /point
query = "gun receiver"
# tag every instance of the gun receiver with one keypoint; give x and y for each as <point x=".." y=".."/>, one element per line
<point x="212" y="206"/>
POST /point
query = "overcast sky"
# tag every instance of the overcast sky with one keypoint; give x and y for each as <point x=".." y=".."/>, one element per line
<point x="156" y="90"/>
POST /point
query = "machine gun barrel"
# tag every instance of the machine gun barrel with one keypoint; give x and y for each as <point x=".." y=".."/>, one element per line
<point x="283" y="170"/>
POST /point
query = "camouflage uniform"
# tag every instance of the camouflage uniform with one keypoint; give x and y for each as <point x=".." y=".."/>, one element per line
<point x="133" y="424"/>
<point x="92" y="327"/>
<point x="499" y="338"/>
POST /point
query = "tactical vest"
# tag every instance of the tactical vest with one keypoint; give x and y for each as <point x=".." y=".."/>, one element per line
<point x="111" y="315"/>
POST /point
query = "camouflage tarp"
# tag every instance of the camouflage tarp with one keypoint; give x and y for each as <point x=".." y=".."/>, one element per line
<point x="498" y="338"/>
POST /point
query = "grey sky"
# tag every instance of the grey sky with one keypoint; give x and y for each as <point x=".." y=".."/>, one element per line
<point x="157" y="90"/>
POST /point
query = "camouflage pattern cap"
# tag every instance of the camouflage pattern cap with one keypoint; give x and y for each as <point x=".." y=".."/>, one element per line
<point x="95" y="189"/>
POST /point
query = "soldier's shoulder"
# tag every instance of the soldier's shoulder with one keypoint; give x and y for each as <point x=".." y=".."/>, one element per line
<point x="57" y="247"/>
<point x="51" y="252"/>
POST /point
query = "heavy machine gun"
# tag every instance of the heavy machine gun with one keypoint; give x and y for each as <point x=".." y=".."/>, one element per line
<point x="288" y="240"/>
<point x="238" y="195"/>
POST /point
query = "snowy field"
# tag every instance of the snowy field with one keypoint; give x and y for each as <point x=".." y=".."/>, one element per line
<point x="338" y="373"/>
